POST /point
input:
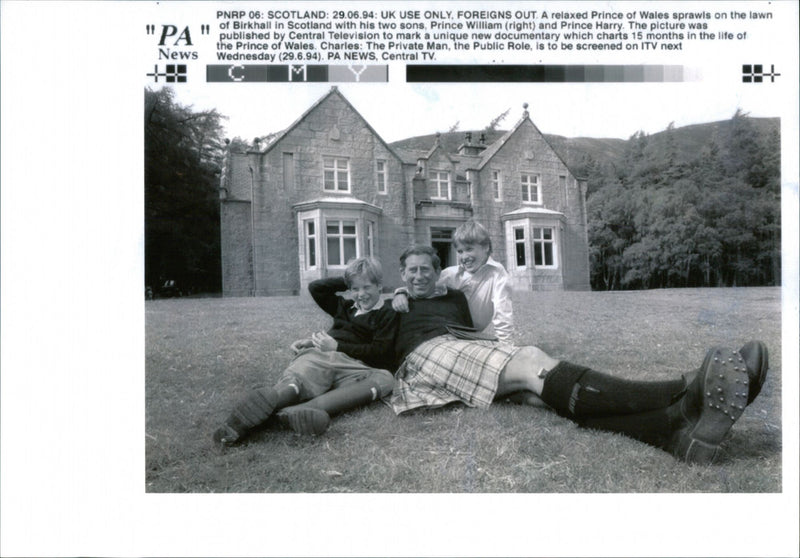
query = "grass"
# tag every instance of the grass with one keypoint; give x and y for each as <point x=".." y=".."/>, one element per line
<point x="203" y="354"/>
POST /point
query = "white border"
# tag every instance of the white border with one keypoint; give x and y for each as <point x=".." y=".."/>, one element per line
<point x="73" y="351"/>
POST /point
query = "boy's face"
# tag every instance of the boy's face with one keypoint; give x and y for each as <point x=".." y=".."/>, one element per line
<point x="365" y="292"/>
<point x="472" y="256"/>
<point x="419" y="275"/>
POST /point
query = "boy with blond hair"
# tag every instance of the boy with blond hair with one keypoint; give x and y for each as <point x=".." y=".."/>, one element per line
<point x="332" y="372"/>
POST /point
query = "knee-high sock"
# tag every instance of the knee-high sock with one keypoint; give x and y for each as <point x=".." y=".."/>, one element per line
<point x="348" y="397"/>
<point x="257" y="406"/>
<point x="654" y="427"/>
<point x="577" y="392"/>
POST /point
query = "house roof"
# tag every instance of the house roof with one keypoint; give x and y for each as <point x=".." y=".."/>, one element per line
<point x="333" y="91"/>
<point x="409" y="151"/>
<point x="412" y="149"/>
<point x="540" y="211"/>
<point x="492" y="150"/>
<point x="339" y="201"/>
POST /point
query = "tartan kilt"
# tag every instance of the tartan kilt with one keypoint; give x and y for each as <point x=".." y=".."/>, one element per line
<point x="446" y="369"/>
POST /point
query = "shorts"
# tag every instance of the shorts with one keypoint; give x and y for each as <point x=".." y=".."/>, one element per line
<point x="315" y="372"/>
<point x="445" y="369"/>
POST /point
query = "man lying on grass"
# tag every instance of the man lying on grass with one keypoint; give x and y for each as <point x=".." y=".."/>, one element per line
<point x="332" y="372"/>
<point x="688" y="417"/>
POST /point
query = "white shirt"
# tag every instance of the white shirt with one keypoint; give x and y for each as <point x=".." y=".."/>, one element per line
<point x="488" y="293"/>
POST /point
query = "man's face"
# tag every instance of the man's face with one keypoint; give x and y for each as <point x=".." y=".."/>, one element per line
<point x="419" y="275"/>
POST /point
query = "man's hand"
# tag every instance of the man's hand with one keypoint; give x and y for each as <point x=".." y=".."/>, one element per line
<point x="324" y="342"/>
<point x="400" y="303"/>
<point x="301" y="344"/>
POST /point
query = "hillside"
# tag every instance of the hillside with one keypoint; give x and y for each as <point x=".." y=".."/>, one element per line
<point x="689" y="140"/>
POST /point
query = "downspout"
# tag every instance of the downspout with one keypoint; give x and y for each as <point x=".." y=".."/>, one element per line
<point x="253" y="229"/>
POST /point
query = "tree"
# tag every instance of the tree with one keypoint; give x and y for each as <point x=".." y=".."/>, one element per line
<point x="492" y="126"/>
<point x="710" y="217"/>
<point x="183" y="155"/>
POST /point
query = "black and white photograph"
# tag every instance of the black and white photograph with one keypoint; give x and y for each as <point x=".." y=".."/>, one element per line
<point x="317" y="276"/>
<point x="634" y="258"/>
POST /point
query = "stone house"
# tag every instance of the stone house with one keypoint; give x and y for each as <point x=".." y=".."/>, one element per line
<point x="299" y="206"/>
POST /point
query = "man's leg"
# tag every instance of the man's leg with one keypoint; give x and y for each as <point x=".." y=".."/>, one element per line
<point x="687" y="417"/>
<point x="525" y="371"/>
<point x="693" y="428"/>
<point x="313" y="417"/>
<point x="577" y="391"/>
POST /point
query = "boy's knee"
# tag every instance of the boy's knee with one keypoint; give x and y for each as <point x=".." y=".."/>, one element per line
<point x="384" y="381"/>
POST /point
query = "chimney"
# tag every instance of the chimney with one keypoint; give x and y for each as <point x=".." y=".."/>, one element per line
<point x="469" y="148"/>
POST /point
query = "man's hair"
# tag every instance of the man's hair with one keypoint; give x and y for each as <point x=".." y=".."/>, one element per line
<point x="421" y="250"/>
<point x="366" y="267"/>
<point x="472" y="233"/>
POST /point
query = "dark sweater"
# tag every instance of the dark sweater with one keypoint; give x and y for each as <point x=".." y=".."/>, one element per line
<point x="427" y="318"/>
<point x="368" y="337"/>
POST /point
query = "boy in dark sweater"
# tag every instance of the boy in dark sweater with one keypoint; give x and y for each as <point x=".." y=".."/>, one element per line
<point x="332" y="372"/>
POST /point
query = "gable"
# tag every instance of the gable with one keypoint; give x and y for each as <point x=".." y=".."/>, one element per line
<point x="333" y="114"/>
<point x="525" y="139"/>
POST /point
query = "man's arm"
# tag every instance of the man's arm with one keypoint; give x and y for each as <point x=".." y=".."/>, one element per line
<point x="323" y="291"/>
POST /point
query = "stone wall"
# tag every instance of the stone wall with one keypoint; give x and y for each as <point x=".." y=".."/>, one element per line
<point x="333" y="129"/>
<point x="290" y="171"/>
<point x="527" y="151"/>
<point x="236" y="248"/>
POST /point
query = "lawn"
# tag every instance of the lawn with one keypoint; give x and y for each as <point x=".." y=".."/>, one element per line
<point x="203" y="354"/>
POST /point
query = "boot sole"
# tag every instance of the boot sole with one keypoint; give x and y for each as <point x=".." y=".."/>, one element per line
<point x="724" y="399"/>
<point x="758" y="372"/>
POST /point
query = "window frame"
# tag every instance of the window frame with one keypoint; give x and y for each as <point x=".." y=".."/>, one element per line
<point x="438" y="182"/>
<point x="341" y="236"/>
<point x="496" y="179"/>
<point x="311" y="245"/>
<point x="520" y="242"/>
<point x="369" y="239"/>
<point x="382" y="176"/>
<point x="538" y="245"/>
<point x="529" y="183"/>
<point x="336" y="171"/>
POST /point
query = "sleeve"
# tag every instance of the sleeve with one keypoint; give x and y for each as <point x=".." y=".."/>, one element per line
<point x="463" y="308"/>
<point x="503" y="319"/>
<point x="323" y="291"/>
<point x="378" y="350"/>
<point x="448" y="277"/>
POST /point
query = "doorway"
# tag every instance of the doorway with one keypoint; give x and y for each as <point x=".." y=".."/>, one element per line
<point x="442" y="242"/>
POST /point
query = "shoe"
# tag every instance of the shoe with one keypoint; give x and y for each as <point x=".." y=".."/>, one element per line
<point x="756" y="358"/>
<point x="305" y="420"/>
<point x="226" y="436"/>
<point x="714" y="400"/>
<point x="250" y="412"/>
